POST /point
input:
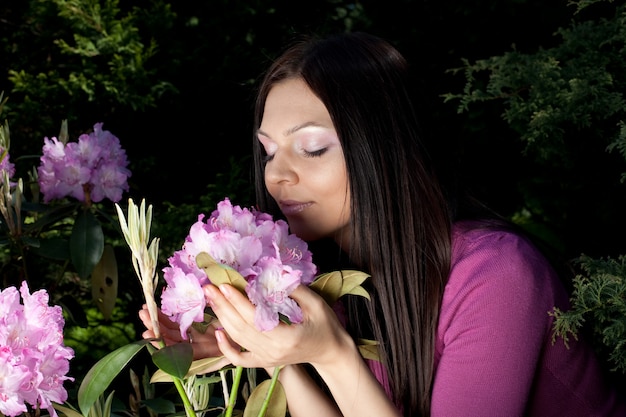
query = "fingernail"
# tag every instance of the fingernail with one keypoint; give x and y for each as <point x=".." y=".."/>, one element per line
<point x="225" y="289"/>
<point x="219" y="336"/>
<point x="208" y="294"/>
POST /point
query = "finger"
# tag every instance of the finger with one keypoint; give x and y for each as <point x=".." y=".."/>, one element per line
<point x="231" y="352"/>
<point x="229" y="303"/>
<point x="144" y="316"/>
<point x="303" y="294"/>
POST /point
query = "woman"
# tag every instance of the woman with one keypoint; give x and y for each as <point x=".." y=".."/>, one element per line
<point x="459" y="301"/>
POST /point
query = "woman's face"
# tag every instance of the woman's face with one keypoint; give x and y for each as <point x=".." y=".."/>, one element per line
<point x="305" y="171"/>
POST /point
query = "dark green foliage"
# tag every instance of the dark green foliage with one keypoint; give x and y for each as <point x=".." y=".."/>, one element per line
<point x="567" y="106"/>
<point x="599" y="305"/>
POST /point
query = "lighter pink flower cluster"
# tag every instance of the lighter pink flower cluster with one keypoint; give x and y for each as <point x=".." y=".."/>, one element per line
<point x="94" y="168"/>
<point x="273" y="261"/>
<point x="33" y="360"/>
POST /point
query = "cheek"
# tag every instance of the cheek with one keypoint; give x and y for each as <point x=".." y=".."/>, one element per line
<point x="329" y="178"/>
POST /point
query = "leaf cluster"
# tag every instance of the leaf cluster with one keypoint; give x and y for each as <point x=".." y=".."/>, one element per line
<point x="599" y="307"/>
<point x="576" y="86"/>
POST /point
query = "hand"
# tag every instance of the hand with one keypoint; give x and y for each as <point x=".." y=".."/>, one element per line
<point x="204" y="344"/>
<point x="317" y="340"/>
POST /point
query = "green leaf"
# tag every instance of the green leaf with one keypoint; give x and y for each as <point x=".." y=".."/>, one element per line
<point x="352" y="281"/>
<point x="328" y="286"/>
<point x="100" y="376"/>
<point x="86" y="243"/>
<point x="220" y="274"/>
<point x="369" y="349"/>
<point x="197" y="367"/>
<point x="174" y="360"/>
<point x="104" y="282"/>
<point x="333" y="285"/>
<point x="51" y="215"/>
<point x="52" y="248"/>
<point x="277" y="405"/>
<point x="68" y="412"/>
<point x="160" y="405"/>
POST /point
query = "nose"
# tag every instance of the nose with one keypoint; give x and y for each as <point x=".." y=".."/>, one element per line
<point x="280" y="170"/>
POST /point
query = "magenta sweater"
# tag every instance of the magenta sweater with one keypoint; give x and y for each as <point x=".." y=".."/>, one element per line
<point x="494" y="350"/>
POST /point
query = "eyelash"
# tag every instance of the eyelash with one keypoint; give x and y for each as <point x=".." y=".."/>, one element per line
<point x="315" y="154"/>
<point x="307" y="154"/>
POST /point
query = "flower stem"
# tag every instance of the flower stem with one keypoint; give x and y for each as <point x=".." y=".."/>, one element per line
<point x="181" y="391"/>
<point x="183" y="395"/>
<point x="233" y="391"/>
<point x="270" y="391"/>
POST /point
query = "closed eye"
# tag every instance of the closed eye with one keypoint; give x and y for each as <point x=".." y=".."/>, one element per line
<point x="313" y="154"/>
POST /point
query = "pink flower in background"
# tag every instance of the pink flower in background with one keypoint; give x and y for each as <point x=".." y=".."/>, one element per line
<point x="273" y="262"/>
<point x="5" y="164"/>
<point x="33" y="360"/>
<point x="96" y="164"/>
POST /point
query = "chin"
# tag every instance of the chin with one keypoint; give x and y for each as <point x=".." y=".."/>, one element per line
<point x="305" y="232"/>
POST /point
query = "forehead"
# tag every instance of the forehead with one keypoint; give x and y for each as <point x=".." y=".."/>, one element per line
<point x="291" y="103"/>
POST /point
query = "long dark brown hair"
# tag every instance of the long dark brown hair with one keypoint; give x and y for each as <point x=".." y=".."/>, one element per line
<point x="401" y="221"/>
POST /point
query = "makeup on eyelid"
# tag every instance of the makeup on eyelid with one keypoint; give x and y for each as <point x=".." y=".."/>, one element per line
<point x="310" y="141"/>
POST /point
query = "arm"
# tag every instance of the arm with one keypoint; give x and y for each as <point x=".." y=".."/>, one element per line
<point x="319" y="340"/>
<point x="494" y="321"/>
<point x="304" y="396"/>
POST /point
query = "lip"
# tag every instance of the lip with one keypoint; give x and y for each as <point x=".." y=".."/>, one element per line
<point x="291" y="207"/>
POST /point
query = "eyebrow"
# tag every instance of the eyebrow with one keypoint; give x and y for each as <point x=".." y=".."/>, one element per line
<point x="294" y="129"/>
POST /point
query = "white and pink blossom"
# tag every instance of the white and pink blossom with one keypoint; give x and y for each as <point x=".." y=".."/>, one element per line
<point x="273" y="261"/>
<point x="33" y="359"/>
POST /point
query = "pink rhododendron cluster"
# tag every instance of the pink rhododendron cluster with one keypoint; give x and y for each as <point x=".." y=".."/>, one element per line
<point x="93" y="168"/>
<point x="33" y="360"/>
<point x="273" y="262"/>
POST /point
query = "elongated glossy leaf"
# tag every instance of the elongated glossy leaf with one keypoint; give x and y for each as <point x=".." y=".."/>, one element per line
<point x="277" y="404"/>
<point x="100" y="376"/>
<point x="52" y="248"/>
<point x="50" y="215"/>
<point x="198" y="367"/>
<point x="69" y="412"/>
<point x="174" y="360"/>
<point x="86" y="243"/>
<point x="219" y="273"/>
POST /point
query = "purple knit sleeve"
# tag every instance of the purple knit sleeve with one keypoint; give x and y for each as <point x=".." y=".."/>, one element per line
<point x="492" y="326"/>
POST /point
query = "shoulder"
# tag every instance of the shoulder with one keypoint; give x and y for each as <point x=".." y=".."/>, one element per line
<point x="481" y="250"/>
<point x="474" y="241"/>
<point x="497" y="266"/>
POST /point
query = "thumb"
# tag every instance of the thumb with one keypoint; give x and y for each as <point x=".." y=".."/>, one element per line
<point x="308" y="299"/>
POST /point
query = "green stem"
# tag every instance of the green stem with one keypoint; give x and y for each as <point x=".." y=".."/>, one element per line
<point x="183" y="395"/>
<point x="181" y="391"/>
<point x="270" y="391"/>
<point x="233" y="392"/>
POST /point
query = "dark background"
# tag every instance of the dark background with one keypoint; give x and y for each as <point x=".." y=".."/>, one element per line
<point x="212" y="52"/>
